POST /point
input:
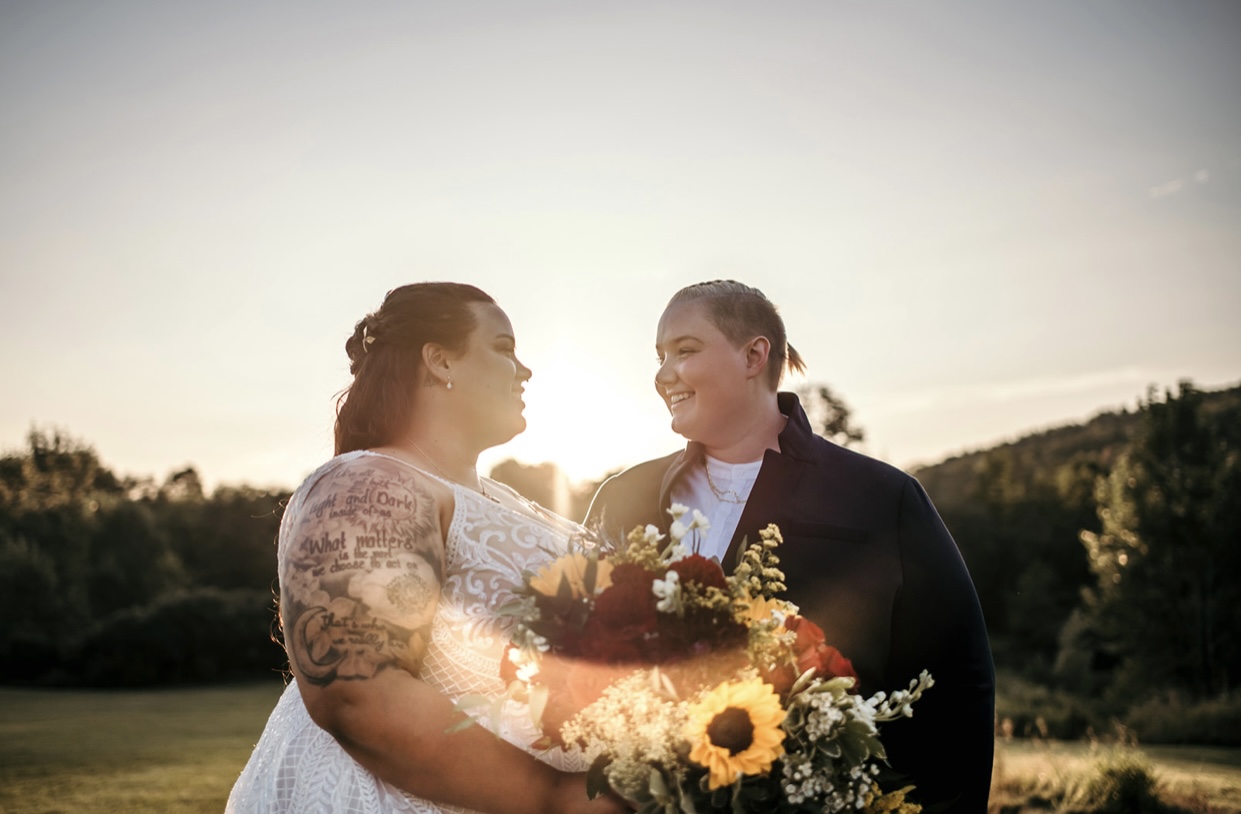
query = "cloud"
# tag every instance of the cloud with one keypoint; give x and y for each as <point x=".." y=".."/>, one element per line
<point x="972" y="395"/>
<point x="1178" y="185"/>
<point x="1170" y="188"/>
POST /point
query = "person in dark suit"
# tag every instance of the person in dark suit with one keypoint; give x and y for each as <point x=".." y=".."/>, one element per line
<point x="865" y="554"/>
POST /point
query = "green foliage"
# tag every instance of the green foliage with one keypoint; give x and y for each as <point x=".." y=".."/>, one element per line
<point x="1166" y="558"/>
<point x="55" y="471"/>
<point x="1170" y="718"/>
<point x="1036" y="457"/>
<point x="829" y="416"/>
<point x="193" y="637"/>
<point x="1087" y="779"/>
<point x="1086" y="659"/>
<point x="1018" y="536"/>
<point x="1021" y="511"/>
<point x="227" y="540"/>
<point x="81" y="550"/>
<point x="1123" y="783"/>
<point x="1027" y="709"/>
<point x="130" y="559"/>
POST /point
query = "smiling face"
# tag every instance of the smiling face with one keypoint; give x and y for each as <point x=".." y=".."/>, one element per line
<point x="703" y="377"/>
<point x="491" y="378"/>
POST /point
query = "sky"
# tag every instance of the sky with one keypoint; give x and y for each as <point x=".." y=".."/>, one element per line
<point x="978" y="219"/>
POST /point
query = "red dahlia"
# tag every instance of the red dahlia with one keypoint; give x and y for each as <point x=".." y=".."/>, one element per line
<point x="699" y="569"/>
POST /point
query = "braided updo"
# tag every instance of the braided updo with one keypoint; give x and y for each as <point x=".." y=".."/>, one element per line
<point x="385" y="358"/>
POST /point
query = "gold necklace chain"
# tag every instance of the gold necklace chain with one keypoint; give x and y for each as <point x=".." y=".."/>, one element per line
<point x="722" y="495"/>
<point x="482" y="489"/>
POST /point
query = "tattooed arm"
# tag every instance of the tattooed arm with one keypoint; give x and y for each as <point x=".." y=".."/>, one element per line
<point x="360" y="580"/>
<point x="361" y="575"/>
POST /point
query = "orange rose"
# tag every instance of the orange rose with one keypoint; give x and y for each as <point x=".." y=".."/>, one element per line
<point x="813" y="650"/>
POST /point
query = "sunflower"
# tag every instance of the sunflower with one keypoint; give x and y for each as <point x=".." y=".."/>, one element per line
<point x="735" y="729"/>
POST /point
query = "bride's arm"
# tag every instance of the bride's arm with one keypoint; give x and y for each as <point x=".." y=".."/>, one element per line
<point x="360" y="580"/>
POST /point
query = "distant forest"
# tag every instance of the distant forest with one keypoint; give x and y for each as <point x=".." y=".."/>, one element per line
<point x="1105" y="555"/>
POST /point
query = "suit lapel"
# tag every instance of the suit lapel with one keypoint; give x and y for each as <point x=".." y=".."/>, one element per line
<point x="692" y="457"/>
<point x="775" y="484"/>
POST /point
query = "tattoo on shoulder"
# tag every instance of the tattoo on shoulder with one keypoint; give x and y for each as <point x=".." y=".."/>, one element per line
<point x="361" y="580"/>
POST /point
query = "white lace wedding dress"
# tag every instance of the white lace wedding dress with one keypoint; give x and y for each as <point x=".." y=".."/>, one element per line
<point x="298" y="768"/>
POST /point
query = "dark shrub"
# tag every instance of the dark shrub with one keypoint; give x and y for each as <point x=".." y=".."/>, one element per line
<point x="197" y="636"/>
<point x="1172" y="719"/>
<point x="1030" y="710"/>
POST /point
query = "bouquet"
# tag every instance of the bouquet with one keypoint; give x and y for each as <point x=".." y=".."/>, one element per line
<point x="688" y="690"/>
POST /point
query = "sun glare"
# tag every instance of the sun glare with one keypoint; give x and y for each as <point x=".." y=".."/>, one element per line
<point x="585" y="424"/>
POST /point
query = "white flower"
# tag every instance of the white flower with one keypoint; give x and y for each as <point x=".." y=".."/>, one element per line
<point x="677" y="511"/>
<point x="652" y="534"/>
<point x="678" y="552"/>
<point x="677" y="530"/>
<point x="668" y="590"/>
<point x="527" y="666"/>
<point x="700" y="521"/>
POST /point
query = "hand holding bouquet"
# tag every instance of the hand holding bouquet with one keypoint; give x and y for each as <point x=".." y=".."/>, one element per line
<point x="691" y="691"/>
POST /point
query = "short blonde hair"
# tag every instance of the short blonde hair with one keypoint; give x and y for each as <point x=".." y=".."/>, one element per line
<point x="742" y="312"/>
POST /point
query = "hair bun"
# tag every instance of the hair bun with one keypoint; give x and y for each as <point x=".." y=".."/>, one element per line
<point x="361" y="342"/>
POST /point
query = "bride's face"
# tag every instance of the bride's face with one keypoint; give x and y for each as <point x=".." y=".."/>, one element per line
<point x="701" y="376"/>
<point x="491" y="378"/>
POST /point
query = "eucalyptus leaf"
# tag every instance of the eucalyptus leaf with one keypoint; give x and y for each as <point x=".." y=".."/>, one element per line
<point x="597" y="777"/>
<point x="659" y="789"/>
<point x="519" y="608"/>
<point x="740" y="555"/>
<point x="735" y="800"/>
<point x="592" y="573"/>
<point x="802" y="682"/>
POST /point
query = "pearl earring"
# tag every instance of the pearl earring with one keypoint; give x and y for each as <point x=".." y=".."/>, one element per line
<point x="450" y="383"/>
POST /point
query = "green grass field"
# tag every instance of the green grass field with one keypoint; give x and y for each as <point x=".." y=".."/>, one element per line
<point x="1200" y="779"/>
<point x="63" y="752"/>
<point x="134" y="752"/>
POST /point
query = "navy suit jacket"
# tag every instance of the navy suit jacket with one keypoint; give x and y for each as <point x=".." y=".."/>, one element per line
<point x="866" y="558"/>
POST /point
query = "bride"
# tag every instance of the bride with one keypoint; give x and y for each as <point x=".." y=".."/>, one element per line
<point x="393" y="558"/>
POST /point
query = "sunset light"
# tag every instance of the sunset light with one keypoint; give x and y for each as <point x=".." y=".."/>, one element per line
<point x="580" y="420"/>
<point x="972" y="225"/>
<point x="1004" y="238"/>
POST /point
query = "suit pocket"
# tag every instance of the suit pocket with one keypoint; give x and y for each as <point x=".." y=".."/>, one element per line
<point x="824" y="531"/>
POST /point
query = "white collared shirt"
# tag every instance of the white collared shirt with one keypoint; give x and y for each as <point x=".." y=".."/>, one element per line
<point x="734" y="481"/>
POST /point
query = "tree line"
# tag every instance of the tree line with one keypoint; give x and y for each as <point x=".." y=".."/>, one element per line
<point x="111" y="580"/>
<point x="1105" y="555"/>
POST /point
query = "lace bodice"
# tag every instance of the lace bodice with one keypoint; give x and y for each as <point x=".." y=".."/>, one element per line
<point x="298" y="767"/>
